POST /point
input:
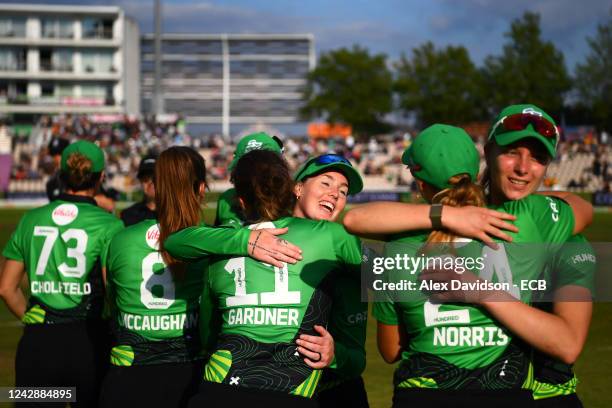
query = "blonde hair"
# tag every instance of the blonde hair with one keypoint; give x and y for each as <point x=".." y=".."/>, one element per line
<point x="463" y="192"/>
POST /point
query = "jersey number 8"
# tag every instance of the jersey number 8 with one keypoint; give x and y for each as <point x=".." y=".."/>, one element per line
<point x="151" y="279"/>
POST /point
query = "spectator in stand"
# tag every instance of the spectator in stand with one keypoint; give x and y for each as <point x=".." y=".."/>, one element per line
<point x="597" y="166"/>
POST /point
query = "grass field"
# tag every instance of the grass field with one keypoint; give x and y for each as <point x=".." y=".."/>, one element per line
<point x="594" y="367"/>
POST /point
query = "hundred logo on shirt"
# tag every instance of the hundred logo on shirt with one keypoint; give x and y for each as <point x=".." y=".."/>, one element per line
<point x="158" y="322"/>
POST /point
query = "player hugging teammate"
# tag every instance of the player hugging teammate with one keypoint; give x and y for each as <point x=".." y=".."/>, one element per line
<point x="231" y="315"/>
<point x="521" y="143"/>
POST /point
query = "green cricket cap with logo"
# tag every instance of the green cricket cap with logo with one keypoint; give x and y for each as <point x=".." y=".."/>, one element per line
<point x="504" y="137"/>
<point x="440" y="152"/>
<point x="329" y="162"/>
<point x="256" y="141"/>
<point x="87" y="149"/>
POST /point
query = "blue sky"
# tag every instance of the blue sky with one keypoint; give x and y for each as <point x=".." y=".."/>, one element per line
<point x="388" y="26"/>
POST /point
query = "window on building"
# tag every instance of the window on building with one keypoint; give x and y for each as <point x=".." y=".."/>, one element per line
<point x="12" y="27"/>
<point x="97" y="61"/>
<point x="12" y="59"/>
<point x="47" y="89"/>
<point x="17" y="92"/>
<point x="93" y="91"/>
<point x="57" y="28"/>
<point x="4" y="86"/>
<point x="63" y="89"/>
<point x="56" y="59"/>
<point x="99" y="91"/>
<point x="100" y="28"/>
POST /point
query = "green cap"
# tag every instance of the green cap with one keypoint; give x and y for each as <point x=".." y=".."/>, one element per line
<point x="87" y="149"/>
<point x="256" y="141"/>
<point x="441" y="152"/>
<point x="505" y="137"/>
<point x="328" y="162"/>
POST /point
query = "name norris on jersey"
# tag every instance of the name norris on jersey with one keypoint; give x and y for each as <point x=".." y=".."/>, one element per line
<point x="66" y="288"/>
<point x="469" y="336"/>
<point x="262" y="316"/>
<point x="162" y="322"/>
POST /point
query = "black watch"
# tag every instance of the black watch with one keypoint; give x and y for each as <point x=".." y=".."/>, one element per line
<point x="435" y="215"/>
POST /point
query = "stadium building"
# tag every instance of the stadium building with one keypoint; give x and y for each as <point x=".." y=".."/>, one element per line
<point x="60" y="59"/>
<point x="224" y="82"/>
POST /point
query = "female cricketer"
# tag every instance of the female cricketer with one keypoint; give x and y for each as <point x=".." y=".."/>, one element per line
<point x="60" y="246"/>
<point x="260" y="310"/>
<point x="517" y="170"/>
<point x="155" y="304"/>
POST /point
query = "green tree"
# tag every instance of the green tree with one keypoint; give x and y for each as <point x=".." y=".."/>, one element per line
<point x="440" y="85"/>
<point x="529" y="70"/>
<point x="350" y="86"/>
<point x="594" y="76"/>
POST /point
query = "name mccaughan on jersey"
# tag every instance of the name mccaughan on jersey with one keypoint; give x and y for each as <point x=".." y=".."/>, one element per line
<point x="177" y="322"/>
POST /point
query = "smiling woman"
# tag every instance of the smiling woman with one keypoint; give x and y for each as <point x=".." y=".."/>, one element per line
<point x="519" y="168"/>
<point x="323" y="184"/>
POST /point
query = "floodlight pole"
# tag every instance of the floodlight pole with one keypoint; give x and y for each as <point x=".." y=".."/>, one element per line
<point x="158" y="98"/>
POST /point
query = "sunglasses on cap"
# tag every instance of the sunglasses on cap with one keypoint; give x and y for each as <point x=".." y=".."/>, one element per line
<point x="520" y="121"/>
<point x="323" y="160"/>
<point x="331" y="158"/>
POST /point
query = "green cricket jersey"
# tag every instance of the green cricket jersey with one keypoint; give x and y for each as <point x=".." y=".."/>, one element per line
<point x="347" y="325"/>
<point x="348" y="320"/>
<point x="228" y="210"/>
<point x="62" y="245"/>
<point x="156" y="310"/>
<point x="458" y="346"/>
<point x="263" y="309"/>
<point x="574" y="264"/>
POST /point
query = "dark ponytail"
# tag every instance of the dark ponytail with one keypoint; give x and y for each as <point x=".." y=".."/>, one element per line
<point x="264" y="184"/>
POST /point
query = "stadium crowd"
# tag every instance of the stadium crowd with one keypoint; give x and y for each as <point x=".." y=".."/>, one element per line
<point x="582" y="163"/>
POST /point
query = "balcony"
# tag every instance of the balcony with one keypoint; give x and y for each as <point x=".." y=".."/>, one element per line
<point x="59" y="104"/>
<point x="58" y="34"/>
<point x="49" y="66"/>
<point x="98" y="34"/>
<point x="14" y="32"/>
<point x="19" y="65"/>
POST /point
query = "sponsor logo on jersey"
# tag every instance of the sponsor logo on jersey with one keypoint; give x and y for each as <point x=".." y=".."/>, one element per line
<point x="64" y="214"/>
<point x="553" y="207"/>
<point x="357" y="318"/>
<point x="584" y="257"/>
<point x="152" y="237"/>
<point x="531" y="111"/>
